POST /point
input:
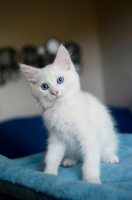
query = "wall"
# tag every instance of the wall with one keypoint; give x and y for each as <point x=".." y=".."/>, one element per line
<point x="33" y="22"/>
<point x="115" y="31"/>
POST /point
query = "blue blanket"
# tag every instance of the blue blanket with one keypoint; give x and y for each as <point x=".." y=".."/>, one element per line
<point x="27" y="173"/>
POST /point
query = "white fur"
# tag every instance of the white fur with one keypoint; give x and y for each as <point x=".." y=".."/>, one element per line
<point x="80" y="127"/>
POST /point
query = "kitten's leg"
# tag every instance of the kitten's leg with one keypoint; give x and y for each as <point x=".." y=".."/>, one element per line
<point x="109" y="156"/>
<point x="91" y="166"/>
<point x="54" y="156"/>
<point x="68" y="162"/>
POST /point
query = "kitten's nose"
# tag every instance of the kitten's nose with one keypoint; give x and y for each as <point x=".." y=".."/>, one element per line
<point x="54" y="92"/>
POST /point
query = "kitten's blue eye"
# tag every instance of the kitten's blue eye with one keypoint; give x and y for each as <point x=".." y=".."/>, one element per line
<point x="60" y="80"/>
<point x="44" y="86"/>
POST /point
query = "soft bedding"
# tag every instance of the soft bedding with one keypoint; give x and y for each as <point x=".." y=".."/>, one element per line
<point x="23" y="178"/>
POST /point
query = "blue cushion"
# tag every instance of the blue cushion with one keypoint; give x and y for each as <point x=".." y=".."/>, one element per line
<point x="22" y="137"/>
<point x="24" y="178"/>
<point x="123" y="119"/>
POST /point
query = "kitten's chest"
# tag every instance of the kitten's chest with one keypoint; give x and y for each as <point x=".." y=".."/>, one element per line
<point x="60" y="117"/>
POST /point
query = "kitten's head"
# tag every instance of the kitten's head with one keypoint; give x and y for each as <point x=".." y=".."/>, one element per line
<point x="55" y="81"/>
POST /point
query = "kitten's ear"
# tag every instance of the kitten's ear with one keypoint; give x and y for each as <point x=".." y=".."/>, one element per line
<point x="63" y="59"/>
<point x="30" y="73"/>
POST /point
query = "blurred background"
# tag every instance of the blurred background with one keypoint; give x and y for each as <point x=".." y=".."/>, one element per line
<point x="102" y="31"/>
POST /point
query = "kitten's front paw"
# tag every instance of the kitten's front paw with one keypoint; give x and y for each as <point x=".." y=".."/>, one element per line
<point x="49" y="171"/>
<point x="110" y="159"/>
<point x="68" y="162"/>
<point x="96" y="181"/>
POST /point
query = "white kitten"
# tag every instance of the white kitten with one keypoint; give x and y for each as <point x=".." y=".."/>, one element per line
<point x="80" y="127"/>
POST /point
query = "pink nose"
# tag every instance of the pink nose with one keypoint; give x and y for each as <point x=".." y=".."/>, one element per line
<point x="54" y="92"/>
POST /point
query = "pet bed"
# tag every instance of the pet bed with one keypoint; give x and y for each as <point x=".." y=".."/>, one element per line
<point x="23" y="178"/>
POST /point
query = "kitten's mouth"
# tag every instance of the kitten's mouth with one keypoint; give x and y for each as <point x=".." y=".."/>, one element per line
<point x="56" y="96"/>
